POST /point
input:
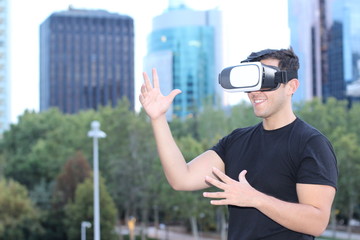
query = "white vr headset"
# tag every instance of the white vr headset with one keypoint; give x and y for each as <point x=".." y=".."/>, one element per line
<point x="254" y="76"/>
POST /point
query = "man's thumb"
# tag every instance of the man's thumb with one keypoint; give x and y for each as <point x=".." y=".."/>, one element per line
<point x="242" y="177"/>
<point x="173" y="94"/>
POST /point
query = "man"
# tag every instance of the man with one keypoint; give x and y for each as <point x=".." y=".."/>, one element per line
<point x="278" y="177"/>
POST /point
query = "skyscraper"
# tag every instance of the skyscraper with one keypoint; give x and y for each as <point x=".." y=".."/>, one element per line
<point x="305" y="35"/>
<point x="344" y="47"/>
<point x="326" y="35"/>
<point x="184" y="46"/>
<point x="86" y="60"/>
<point x="4" y="67"/>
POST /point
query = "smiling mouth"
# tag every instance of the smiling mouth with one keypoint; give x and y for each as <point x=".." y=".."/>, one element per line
<point x="259" y="101"/>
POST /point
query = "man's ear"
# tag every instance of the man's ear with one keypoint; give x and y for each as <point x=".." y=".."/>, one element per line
<point x="293" y="85"/>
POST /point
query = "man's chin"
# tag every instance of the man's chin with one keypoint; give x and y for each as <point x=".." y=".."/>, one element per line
<point x="260" y="114"/>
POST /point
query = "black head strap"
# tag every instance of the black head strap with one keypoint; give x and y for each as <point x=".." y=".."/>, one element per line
<point x="285" y="76"/>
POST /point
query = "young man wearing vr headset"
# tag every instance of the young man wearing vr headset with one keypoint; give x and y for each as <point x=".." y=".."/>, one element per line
<point x="278" y="177"/>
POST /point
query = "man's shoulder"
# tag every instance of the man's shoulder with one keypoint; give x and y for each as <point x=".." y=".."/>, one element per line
<point x="305" y="132"/>
<point x="305" y="128"/>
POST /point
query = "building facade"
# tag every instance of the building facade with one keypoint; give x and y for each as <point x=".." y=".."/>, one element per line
<point x="305" y="29"/>
<point x="4" y="67"/>
<point x="326" y="35"/>
<point x="185" y="47"/>
<point x="86" y="60"/>
<point x="344" y="48"/>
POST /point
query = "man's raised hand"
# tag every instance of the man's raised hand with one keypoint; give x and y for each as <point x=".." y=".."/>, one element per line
<point x="151" y="98"/>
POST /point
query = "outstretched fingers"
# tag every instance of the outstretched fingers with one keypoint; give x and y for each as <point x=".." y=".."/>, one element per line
<point x="155" y="78"/>
<point x="215" y="182"/>
<point x="228" y="186"/>
<point x="220" y="196"/>
<point x="147" y="82"/>
<point x="222" y="176"/>
<point x="142" y="94"/>
<point x="222" y="180"/>
<point x="143" y="88"/>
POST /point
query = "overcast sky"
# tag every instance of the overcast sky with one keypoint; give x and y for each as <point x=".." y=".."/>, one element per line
<point x="248" y="26"/>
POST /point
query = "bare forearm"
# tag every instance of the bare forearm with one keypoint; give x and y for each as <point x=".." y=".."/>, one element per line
<point x="294" y="216"/>
<point x="172" y="160"/>
<point x="309" y="216"/>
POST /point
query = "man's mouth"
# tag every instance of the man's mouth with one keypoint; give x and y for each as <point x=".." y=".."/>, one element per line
<point x="257" y="101"/>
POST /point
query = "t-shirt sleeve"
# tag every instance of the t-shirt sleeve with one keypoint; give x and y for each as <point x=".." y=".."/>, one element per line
<point x="219" y="148"/>
<point x="318" y="163"/>
<point x="224" y="143"/>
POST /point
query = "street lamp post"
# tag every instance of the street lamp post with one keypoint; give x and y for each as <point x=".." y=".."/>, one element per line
<point x="96" y="133"/>
<point x="84" y="225"/>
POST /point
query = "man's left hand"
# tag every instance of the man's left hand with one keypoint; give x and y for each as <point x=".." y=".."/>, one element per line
<point x="239" y="193"/>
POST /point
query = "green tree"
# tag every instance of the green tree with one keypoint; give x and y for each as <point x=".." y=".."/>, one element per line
<point x="74" y="172"/>
<point x="242" y="115"/>
<point x="18" y="142"/>
<point x="36" y="148"/>
<point x="329" y="118"/>
<point x="19" y="218"/>
<point x="354" y="119"/>
<point x="348" y="196"/>
<point x="131" y="165"/>
<point x="82" y="209"/>
<point x="212" y="124"/>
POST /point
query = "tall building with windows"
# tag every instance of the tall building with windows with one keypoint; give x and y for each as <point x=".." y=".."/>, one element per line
<point x="185" y="47"/>
<point x="305" y="33"/>
<point x="326" y="35"/>
<point x="4" y="67"/>
<point x="344" y="48"/>
<point x="86" y="60"/>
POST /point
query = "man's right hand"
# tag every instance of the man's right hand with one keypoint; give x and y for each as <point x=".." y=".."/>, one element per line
<point x="151" y="98"/>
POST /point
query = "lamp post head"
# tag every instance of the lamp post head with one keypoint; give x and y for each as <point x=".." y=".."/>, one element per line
<point x="95" y="125"/>
<point x="95" y="131"/>
<point x="86" y="224"/>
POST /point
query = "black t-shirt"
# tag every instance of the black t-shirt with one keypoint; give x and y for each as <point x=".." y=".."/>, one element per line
<point x="275" y="161"/>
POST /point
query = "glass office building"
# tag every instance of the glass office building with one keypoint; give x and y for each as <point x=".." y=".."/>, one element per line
<point x="326" y="36"/>
<point x="86" y="60"/>
<point x="184" y="47"/>
<point x="305" y="35"/>
<point x="4" y="67"/>
<point x="344" y="48"/>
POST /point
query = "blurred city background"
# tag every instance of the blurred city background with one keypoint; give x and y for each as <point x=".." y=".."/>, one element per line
<point x="64" y="64"/>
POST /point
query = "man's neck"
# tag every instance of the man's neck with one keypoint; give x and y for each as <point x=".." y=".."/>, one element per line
<point x="273" y="123"/>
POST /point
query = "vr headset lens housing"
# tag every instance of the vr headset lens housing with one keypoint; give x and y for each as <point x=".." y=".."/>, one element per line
<point x="252" y="76"/>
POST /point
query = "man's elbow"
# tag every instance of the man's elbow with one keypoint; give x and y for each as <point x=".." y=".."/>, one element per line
<point x="177" y="187"/>
<point x="320" y="228"/>
<point x="319" y="232"/>
<point x="182" y="186"/>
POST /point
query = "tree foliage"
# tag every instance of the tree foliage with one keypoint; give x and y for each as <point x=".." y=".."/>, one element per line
<point x="36" y="148"/>
<point x="19" y="218"/>
<point x="82" y="209"/>
<point x="49" y="154"/>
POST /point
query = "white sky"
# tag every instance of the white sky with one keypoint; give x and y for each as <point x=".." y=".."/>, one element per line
<point x="248" y="25"/>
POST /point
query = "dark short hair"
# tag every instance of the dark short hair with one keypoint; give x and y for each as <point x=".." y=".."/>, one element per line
<point x="288" y="60"/>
